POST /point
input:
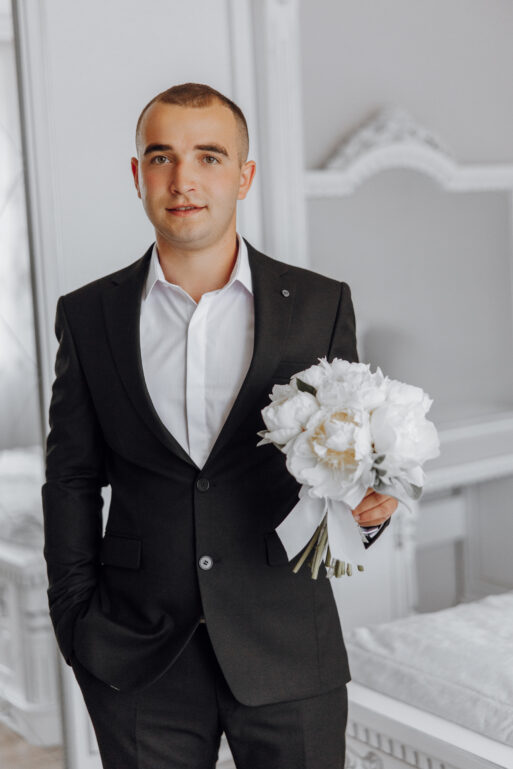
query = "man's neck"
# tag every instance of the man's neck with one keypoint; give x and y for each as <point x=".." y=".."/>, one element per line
<point x="198" y="271"/>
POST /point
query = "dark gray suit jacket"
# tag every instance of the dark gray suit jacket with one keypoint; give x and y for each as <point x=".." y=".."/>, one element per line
<point x="126" y="602"/>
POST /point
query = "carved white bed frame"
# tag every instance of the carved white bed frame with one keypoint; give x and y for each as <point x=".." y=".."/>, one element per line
<point x="384" y="733"/>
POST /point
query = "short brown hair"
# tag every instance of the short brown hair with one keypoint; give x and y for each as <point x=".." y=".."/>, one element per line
<point x="200" y="95"/>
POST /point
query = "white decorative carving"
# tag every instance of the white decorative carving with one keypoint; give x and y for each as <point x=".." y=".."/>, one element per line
<point x="361" y="734"/>
<point x="393" y="139"/>
<point x="28" y="663"/>
<point x="370" y="760"/>
<point x="391" y="125"/>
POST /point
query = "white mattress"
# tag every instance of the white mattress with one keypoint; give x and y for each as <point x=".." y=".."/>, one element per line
<point x="456" y="663"/>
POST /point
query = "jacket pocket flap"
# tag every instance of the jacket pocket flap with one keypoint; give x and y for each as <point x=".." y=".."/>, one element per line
<point x="276" y="553"/>
<point x="120" y="551"/>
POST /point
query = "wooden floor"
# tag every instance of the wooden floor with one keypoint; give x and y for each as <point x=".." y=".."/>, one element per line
<point x="15" y="753"/>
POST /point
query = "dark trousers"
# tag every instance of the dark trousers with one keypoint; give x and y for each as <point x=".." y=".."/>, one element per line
<point x="177" y="721"/>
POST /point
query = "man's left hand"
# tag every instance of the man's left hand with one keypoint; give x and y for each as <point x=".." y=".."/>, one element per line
<point x="374" y="509"/>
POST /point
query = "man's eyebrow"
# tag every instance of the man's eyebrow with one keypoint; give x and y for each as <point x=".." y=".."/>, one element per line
<point x="217" y="148"/>
<point x="157" y="148"/>
<point x="212" y="148"/>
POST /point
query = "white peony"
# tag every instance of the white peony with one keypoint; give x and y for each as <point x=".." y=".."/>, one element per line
<point x="333" y="454"/>
<point x="287" y="415"/>
<point x="402" y="434"/>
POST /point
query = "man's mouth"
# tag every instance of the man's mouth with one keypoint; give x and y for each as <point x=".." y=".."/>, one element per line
<point x="185" y="210"/>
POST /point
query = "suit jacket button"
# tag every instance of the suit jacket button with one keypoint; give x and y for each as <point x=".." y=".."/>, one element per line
<point x="202" y="484"/>
<point x="285" y="292"/>
<point x="206" y="562"/>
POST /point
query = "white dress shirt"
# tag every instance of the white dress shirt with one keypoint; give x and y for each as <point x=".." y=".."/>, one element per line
<point x="195" y="355"/>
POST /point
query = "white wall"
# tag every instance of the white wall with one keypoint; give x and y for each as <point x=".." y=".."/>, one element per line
<point x="448" y="61"/>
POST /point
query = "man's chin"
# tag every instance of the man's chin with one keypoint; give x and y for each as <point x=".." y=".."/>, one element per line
<point x="186" y="238"/>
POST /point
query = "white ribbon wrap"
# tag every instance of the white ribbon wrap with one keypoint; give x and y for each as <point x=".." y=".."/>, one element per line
<point x="345" y="537"/>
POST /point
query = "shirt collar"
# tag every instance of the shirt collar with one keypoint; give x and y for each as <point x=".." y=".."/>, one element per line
<point x="241" y="270"/>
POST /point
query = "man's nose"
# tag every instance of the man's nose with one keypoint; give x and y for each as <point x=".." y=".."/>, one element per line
<point x="182" y="179"/>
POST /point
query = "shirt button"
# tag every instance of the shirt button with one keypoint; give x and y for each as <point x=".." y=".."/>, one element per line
<point x="285" y="292"/>
<point x="202" y="484"/>
<point x="206" y="562"/>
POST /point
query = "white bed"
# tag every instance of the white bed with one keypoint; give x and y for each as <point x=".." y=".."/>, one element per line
<point x="434" y="690"/>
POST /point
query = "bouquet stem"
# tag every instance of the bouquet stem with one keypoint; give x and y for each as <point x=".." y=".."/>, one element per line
<point x="309" y="547"/>
<point x="319" y="550"/>
<point x="318" y="543"/>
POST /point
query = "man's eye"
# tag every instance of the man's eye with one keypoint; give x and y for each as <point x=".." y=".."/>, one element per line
<point x="159" y="160"/>
<point x="211" y="160"/>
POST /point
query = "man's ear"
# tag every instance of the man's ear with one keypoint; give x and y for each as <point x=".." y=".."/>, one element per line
<point x="135" y="173"/>
<point x="247" y="173"/>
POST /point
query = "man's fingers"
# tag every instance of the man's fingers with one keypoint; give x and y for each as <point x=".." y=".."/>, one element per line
<point x="375" y="508"/>
<point x="371" y="500"/>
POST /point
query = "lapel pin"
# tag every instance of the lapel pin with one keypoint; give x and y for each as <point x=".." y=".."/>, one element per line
<point x="285" y="292"/>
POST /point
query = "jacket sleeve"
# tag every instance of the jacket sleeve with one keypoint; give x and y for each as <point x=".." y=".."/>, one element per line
<point x="71" y="495"/>
<point x="378" y="533"/>
<point x="343" y="338"/>
<point x="343" y="345"/>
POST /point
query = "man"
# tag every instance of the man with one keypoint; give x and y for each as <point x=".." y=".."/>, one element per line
<point x="185" y="619"/>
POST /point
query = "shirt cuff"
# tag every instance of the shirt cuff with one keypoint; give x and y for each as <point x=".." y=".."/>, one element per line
<point x="370" y="531"/>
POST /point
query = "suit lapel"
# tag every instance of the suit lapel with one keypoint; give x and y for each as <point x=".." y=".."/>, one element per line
<point x="122" y="307"/>
<point x="273" y="311"/>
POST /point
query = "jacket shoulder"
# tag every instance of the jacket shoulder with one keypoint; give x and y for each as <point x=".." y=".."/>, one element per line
<point x="303" y="274"/>
<point x="312" y="277"/>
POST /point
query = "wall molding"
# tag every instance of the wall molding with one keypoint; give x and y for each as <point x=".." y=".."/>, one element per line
<point x="277" y="63"/>
<point x="472" y="452"/>
<point x="242" y="64"/>
<point x="6" y="32"/>
<point x="45" y="241"/>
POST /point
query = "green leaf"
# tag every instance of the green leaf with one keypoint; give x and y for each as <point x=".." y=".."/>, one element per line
<point x="305" y="387"/>
<point x="413" y="491"/>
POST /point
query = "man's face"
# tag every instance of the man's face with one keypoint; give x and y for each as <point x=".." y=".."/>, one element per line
<point x="189" y="156"/>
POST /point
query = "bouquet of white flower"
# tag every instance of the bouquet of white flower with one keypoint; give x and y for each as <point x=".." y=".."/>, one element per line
<point x="343" y="430"/>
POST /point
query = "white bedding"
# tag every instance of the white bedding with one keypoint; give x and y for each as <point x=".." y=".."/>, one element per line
<point x="456" y="663"/>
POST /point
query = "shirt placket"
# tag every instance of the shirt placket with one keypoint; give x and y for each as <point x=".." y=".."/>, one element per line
<point x="195" y="379"/>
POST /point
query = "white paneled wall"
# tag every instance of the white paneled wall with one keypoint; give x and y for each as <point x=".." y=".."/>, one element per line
<point x="87" y="70"/>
